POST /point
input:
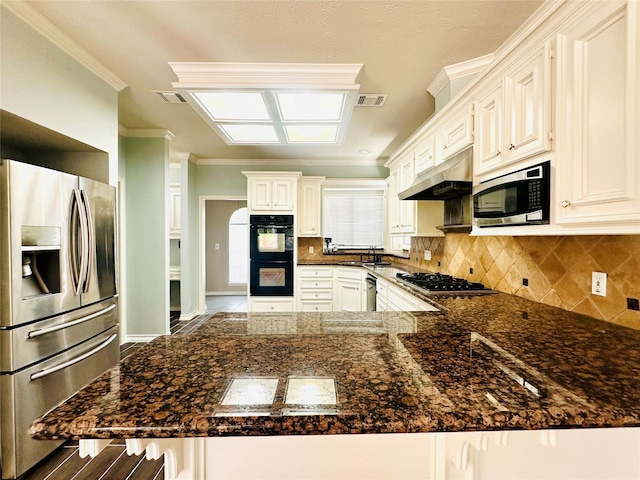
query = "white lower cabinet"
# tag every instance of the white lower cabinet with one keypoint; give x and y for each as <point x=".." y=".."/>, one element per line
<point x="399" y="300"/>
<point x="349" y="290"/>
<point x="271" y="304"/>
<point x="577" y="454"/>
<point x="382" y="295"/>
<point x="392" y="298"/>
<point x="315" y="289"/>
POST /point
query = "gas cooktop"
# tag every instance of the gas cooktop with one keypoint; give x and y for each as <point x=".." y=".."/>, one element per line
<point x="437" y="283"/>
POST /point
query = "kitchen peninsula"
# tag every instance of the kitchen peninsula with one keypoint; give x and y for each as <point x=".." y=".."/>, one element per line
<point x="283" y="389"/>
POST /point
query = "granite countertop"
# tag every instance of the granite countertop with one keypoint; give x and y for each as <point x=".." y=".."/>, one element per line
<point x="482" y="363"/>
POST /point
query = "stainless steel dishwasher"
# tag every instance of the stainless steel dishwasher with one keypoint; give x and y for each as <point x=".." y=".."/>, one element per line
<point x="371" y="293"/>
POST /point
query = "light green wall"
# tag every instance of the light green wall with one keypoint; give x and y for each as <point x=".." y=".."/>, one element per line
<point x="147" y="235"/>
<point x="229" y="180"/>
<point x="188" y="240"/>
<point x="43" y="84"/>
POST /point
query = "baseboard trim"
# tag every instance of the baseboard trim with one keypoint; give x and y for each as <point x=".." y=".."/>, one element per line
<point x="138" y="338"/>
<point x="230" y="292"/>
<point x="188" y="316"/>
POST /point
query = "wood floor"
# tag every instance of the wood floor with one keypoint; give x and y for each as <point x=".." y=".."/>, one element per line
<point x="113" y="463"/>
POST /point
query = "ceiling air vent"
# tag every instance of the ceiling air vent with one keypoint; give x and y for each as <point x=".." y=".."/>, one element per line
<point x="371" y="100"/>
<point x="169" y="97"/>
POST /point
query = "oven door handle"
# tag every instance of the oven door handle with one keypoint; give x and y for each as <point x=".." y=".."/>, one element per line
<point x="55" y="328"/>
<point x="79" y="358"/>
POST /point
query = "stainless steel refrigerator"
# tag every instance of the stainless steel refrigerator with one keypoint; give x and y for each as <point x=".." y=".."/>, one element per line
<point x="58" y="298"/>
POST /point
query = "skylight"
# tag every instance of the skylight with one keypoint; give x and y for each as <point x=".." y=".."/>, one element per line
<point x="243" y="106"/>
<point x="271" y="103"/>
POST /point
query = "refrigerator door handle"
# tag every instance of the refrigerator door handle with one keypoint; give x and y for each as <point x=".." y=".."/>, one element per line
<point x="68" y="363"/>
<point x="90" y="240"/>
<point x="55" y="328"/>
<point x="77" y="240"/>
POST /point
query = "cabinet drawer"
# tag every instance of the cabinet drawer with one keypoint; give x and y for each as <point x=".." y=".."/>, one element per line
<point x="315" y="283"/>
<point x="351" y="273"/>
<point x="271" y="304"/>
<point x="315" y="272"/>
<point x="316" y="306"/>
<point x="316" y="295"/>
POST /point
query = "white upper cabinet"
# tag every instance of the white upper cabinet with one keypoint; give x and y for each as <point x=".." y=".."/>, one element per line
<point x="272" y="191"/>
<point x="528" y="106"/>
<point x="489" y="130"/>
<point x="393" y="202"/>
<point x="406" y="210"/>
<point x="513" y="116"/>
<point x="599" y="171"/>
<point x="425" y="154"/>
<point x="174" y="210"/>
<point x="310" y="207"/>
<point x="456" y="134"/>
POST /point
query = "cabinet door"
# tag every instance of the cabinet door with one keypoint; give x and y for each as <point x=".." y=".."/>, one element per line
<point x="488" y="130"/>
<point x="309" y="208"/>
<point x="407" y="207"/>
<point x="260" y="193"/>
<point x="174" y="209"/>
<point x="393" y="203"/>
<point x="599" y="177"/>
<point x="348" y="295"/>
<point x="282" y="194"/>
<point x="457" y="134"/>
<point x="425" y="155"/>
<point x="528" y="107"/>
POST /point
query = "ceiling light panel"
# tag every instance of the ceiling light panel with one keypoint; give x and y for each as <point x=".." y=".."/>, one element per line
<point x="250" y="103"/>
<point x="310" y="106"/>
<point x="311" y="133"/>
<point x="250" y="133"/>
<point x="229" y="106"/>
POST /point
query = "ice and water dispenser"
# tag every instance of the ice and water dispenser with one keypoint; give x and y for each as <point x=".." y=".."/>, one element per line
<point x="40" y="260"/>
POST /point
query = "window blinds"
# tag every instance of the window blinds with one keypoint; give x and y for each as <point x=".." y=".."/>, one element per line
<point x="353" y="218"/>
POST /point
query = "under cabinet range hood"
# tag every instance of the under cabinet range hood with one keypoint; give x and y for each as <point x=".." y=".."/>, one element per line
<point x="451" y="179"/>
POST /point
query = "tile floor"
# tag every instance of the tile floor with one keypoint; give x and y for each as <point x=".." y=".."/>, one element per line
<point x="113" y="463"/>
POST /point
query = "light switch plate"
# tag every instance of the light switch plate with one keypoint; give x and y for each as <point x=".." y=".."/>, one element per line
<point x="599" y="283"/>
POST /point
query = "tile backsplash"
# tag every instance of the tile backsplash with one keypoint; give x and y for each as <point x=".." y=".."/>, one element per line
<point x="557" y="269"/>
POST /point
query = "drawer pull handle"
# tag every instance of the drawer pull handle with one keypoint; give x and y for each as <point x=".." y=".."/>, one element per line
<point x="55" y="328"/>
<point x="79" y="358"/>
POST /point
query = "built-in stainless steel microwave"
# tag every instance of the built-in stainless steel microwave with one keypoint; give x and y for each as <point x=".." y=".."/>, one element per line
<point x="518" y="198"/>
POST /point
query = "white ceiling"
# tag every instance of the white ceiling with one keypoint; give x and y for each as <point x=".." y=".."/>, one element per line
<point x="402" y="44"/>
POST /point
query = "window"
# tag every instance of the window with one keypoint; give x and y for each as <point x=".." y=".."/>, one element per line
<point x="238" y="247"/>
<point x="353" y="217"/>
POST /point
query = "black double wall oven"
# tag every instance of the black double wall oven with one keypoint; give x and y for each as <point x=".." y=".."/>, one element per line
<point x="271" y="241"/>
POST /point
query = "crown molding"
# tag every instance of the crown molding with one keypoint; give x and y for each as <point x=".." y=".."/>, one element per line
<point x="239" y="75"/>
<point x="458" y="70"/>
<point x="52" y="33"/>
<point x="287" y="162"/>
<point x="145" y="133"/>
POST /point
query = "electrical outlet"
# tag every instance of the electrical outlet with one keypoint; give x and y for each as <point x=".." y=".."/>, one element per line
<point x="470" y="270"/>
<point x="427" y="254"/>
<point x="599" y="283"/>
<point x="633" y="304"/>
<point x="217" y="246"/>
<point x="310" y="248"/>
<point x="525" y="282"/>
